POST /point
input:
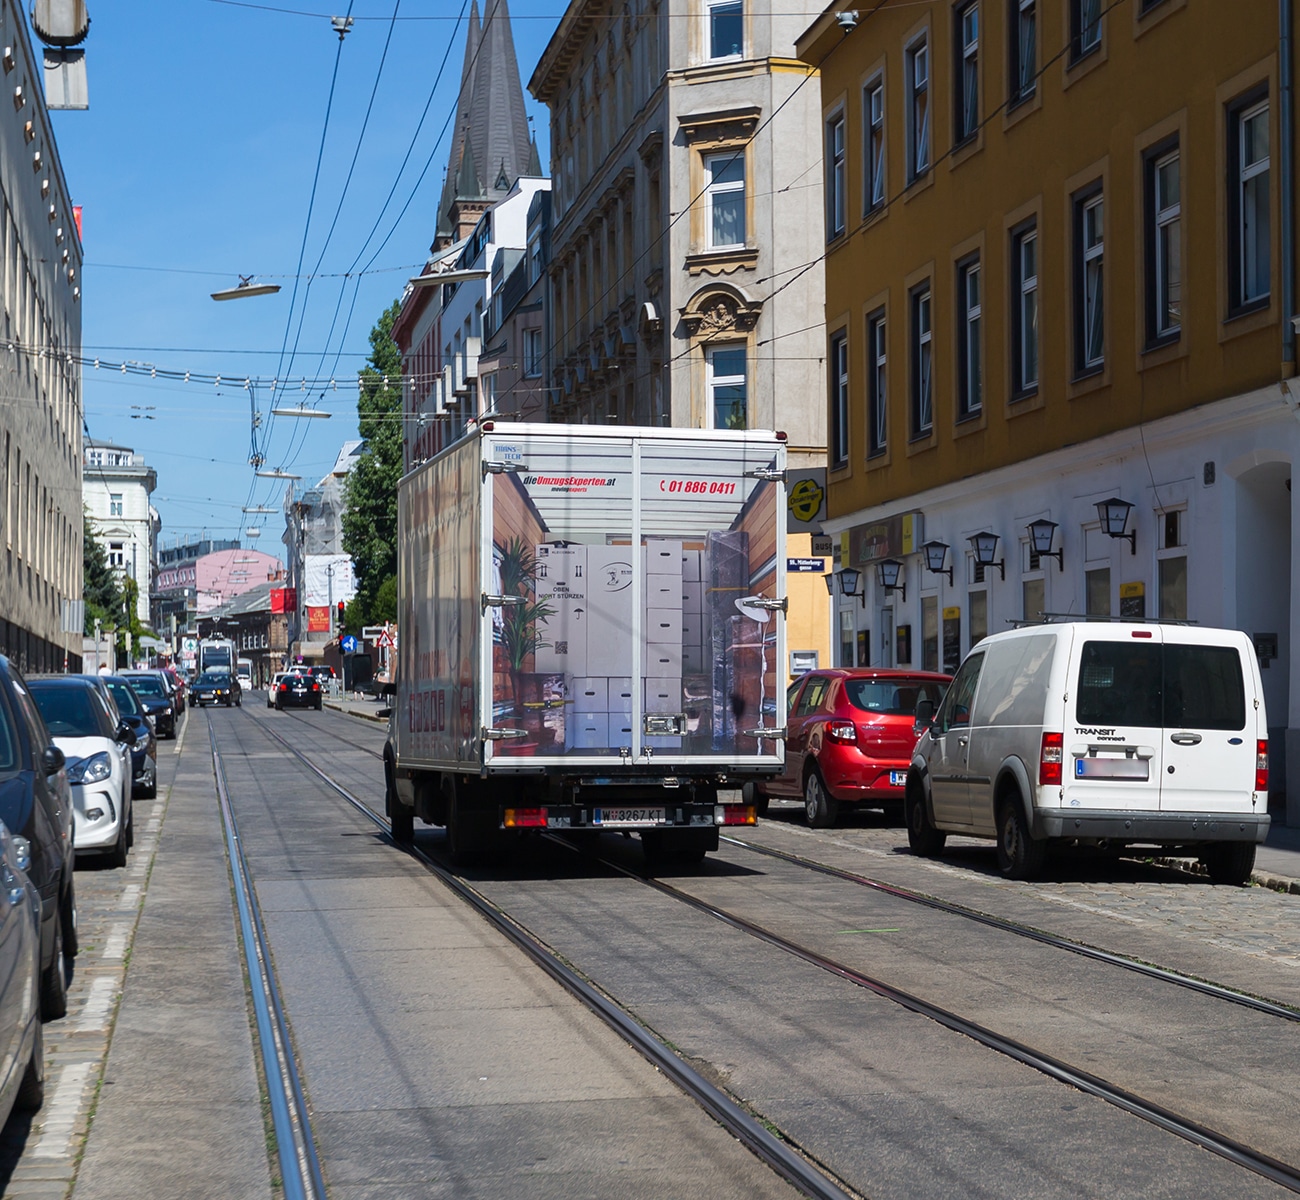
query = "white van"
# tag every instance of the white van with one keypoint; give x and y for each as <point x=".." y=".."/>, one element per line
<point x="1102" y="734"/>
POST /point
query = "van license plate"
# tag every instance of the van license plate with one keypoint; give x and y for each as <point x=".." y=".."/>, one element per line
<point x="612" y="818"/>
<point x="1111" y="768"/>
<point x="897" y="778"/>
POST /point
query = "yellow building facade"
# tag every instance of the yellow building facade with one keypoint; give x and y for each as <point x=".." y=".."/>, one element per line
<point x="1060" y="270"/>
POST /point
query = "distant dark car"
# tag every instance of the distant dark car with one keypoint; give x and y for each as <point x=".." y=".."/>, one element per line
<point x="36" y="803"/>
<point x="298" y="690"/>
<point x="216" y="687"/>
<point x="849" y="738"/>
<point x="158" y="699"/>
<point x="144" y="754"/>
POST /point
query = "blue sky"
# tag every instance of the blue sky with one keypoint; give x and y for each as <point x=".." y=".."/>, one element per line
<point x="194" y="165"/>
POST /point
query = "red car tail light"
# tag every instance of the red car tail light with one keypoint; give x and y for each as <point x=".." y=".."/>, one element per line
<point x="1049" y="760"/>
<point x="842" y="732"/>
<point x="1261" y="766"/>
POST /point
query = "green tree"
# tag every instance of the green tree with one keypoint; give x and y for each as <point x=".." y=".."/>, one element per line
<point x="100" y="589"/>
<point x="370" y="517"/>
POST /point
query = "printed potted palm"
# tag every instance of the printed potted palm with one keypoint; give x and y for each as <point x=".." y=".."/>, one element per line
<point x="520" y="640"/>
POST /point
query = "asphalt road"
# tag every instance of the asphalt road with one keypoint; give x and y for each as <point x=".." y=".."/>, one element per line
<point x="438" y="1062"/>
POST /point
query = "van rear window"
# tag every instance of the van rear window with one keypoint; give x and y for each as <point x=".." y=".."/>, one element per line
<point x="1186" y="687"/>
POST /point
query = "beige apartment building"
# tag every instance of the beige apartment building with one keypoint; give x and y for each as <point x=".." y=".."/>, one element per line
<point x="40" y="377"/>
<point x="686" y="276"/>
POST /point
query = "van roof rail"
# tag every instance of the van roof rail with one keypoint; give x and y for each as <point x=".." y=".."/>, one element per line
<point x="1046" y="618"/>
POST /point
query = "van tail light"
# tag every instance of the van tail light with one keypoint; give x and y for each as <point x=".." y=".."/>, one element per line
<point x="843" y="732"/>
<point x="1261" y="766"/>
<point x="1049" y="760"/>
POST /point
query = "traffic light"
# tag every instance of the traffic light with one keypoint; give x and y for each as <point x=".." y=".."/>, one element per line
<point x="340" y="620"/>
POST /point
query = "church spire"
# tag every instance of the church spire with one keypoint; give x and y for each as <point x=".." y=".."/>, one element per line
<point x="491" y="126"/>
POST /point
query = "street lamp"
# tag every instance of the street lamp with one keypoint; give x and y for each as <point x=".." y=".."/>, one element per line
<point x="888" y="571"/>
<point x="935" y="552"/>
<point x="985" y="546"/>
<point x="1041" y="533"/>
<point x="246" y="287"/>
<point x="1113" y="514"/>
<point x="276" y="474"/>
<point x="302" y="411"/>
<point x="829" y="580"/>
<point x="851" y="582"/>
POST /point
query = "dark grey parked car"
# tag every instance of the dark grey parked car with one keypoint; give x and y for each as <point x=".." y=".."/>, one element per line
<point x="36" y="803"/>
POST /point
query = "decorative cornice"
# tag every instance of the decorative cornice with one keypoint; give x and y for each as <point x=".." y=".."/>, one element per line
<point x="722" y="262"/>
<point x="719" y="311"/>
<point x="721" y="125"/>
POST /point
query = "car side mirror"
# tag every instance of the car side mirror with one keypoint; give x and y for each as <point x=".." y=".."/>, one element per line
<point x="126" y="735"/>
<point x="389" y="689"/>
<point x="383" y="713"/>
<point x="924" y="717"/>
<point x="53" y="760"/>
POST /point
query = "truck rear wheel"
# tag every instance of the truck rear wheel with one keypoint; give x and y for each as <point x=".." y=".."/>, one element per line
<point x="472" y="833"/>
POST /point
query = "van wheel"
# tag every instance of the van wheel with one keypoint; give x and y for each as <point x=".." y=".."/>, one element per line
<point x="1019" y="855"/>
<point x="923" y="838"/>
<point x="820" y="808"/>
<point x="1230" y="862"/>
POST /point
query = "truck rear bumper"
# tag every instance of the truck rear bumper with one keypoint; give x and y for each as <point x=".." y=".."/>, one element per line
<point x="624" y="815"/>
<point x="1166" y="828"/>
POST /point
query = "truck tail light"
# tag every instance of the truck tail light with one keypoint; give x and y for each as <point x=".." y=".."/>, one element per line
<point x="843" y="732"/>
<point x="1261" y="766"/>
<point x="524" y="818"/>
<point x="1049" y="760"/>
<point x="735" y="814"/>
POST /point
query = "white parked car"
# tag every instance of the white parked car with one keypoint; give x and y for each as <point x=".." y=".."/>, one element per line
<point x="86" y="726"/>
<point x="1118" y="735"/>
<point x="274" y="687"/>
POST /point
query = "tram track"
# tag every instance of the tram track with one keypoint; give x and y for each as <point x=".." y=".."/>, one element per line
<point x="1227" y="1147"/>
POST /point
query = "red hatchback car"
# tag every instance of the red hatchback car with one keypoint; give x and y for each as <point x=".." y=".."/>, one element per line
<point x="849" y="738"/>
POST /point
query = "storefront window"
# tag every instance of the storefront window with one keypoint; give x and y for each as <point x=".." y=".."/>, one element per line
<point x="1098" y="589"/>
<point x="979" y="617"/>
<point x="846" y="637"/>
<point x="929" y="633"/>
<point x="1173" y="589"/>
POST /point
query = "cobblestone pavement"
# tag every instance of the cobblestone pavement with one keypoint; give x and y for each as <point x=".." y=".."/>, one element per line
<point x="39" y="1152"/>
<point x="1155" y="897"/>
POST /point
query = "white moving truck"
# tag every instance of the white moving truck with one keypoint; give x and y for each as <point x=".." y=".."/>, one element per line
<point x="591" y="634"/>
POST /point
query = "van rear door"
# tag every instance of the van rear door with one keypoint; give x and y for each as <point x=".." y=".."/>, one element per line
<point x="1211" y="725"/>
<point x="1113" y="740"/>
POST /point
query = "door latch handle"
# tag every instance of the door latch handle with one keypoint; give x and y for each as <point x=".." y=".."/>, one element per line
<point x="961" y="741"/>
<point x="1185" y="739"/>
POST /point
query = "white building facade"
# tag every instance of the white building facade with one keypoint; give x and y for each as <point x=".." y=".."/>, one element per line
<point x="117" y="485"/>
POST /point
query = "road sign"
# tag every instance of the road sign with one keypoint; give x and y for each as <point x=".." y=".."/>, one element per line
<point x="387" y="640"/>
<point x="816" y="565"/>
<point x="348" y="644"/>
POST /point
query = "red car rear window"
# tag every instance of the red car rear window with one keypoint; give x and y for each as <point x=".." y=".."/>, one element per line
<point x="893" y="697"/>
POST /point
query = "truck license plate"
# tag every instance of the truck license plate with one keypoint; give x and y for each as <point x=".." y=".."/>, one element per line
<point x="614" y="817"/>
<point x="897" y="778"/>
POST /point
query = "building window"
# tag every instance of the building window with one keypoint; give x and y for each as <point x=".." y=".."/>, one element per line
<point x="873" y="122"/>
<point x="1085" y="27"/>
<point x="967" y="91"/>
<point x="1164" y="246"/>
<point x="1097" y="587"/>
<point x="847" y="637"/>
<point x="116" y="554"/>
<point x="929" y="633"/>
<point x="877" y="423"/>
<point x="1248" y="233"/>
<point x="839" y="380"/>
<point x="115" y="504"/>
<point x="726" y="28"/>
<point x="726" y="382"/>
<point x="979" y="616"/>
<point x="1089" y="285"/>
<point x="1173" y="588"/>
<point x="1024" y="49"/>
<point x="1033" y="592"/>
<point x="918" y="110"/>
<point x="725" y="199"/>
<point x="1024" y="312"/>
<point x="532" y="353"/>
<point x="836" y="180"/>
<point x="922" y="363"/>
<point x="970" y="372"/>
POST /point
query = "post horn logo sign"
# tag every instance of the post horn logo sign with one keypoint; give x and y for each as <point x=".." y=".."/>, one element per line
<point x="806" y="498"/>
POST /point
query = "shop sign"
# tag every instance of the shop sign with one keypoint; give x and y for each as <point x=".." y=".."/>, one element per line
<point x="805" y="500"/>
<point x="318" y="618"/>
<point x="1133" y="601"/>
<point x="891" y="538"/>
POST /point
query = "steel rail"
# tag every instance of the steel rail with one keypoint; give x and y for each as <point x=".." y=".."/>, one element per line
<point x="1163" y="974"/>
<point x="299" y="1165"/>
<point x="1225" y="1147"/>
<point x="777" y="1153"/>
